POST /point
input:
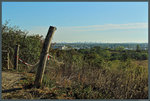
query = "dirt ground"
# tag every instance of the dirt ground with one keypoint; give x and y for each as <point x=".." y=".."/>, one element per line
<point x="12" y="88"/>
<point x="10" y="80"/>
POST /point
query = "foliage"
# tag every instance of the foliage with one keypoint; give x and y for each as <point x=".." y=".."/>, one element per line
<point x="138" y="48"/>
<point x="30" y="45"/>
<point x="101" y="74"/>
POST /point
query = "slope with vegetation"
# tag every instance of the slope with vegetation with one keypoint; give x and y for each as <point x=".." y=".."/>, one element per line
<point x="94" y="73"/>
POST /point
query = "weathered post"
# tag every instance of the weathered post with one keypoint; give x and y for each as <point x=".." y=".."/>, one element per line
<point x="7" y="59"/>
<point x="43" y="57"/>
<point x="16" y="57"/>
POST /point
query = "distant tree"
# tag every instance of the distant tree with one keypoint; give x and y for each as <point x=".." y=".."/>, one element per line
<point x="106" y="54"/>
<point x="144" y="56"/>
<point x="115" y="56"/>
<point x="137" y="56"/>
<point x="125" y="56"/>
<point x="138" y="48"/>
<point x="120" y="48"/>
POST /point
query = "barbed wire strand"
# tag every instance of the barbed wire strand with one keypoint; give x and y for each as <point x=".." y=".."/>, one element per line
<point x="37" y="63"/>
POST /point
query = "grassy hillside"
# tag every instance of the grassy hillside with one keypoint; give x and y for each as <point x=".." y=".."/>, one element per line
<point x="89" y="76"/>
<point x="94" y="73"/>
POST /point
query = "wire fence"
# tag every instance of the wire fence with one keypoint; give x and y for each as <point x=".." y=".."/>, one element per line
<point x="48" y="58"/>
<point x="6" y="61"/>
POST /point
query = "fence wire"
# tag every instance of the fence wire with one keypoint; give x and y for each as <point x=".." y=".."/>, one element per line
<point x="37" y="63"/>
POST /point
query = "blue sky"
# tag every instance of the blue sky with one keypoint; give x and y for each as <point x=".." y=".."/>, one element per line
<point x="111" y="22"/>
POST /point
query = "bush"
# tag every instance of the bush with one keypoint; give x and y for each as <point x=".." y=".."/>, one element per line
<point x="30" y="45"/>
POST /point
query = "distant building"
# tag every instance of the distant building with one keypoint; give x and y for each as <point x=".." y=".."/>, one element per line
<point x="61" y="47"/>
<point x="145" y="48"/>
<point x="128" y="48"/>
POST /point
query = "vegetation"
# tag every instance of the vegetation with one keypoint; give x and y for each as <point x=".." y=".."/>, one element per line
<point x="94" y="73"/>
<point x="30" y="45"/>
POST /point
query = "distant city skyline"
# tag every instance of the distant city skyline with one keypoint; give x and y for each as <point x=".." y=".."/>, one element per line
<point x="105" y="22"/>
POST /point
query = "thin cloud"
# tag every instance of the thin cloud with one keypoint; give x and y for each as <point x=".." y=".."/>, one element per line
<point x="71" y="29"/>
<point x="107" y="27"/>
<point x="103" y="33"/>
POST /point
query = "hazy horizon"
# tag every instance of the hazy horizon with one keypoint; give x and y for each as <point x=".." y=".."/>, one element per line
<point x="107" y="42"/>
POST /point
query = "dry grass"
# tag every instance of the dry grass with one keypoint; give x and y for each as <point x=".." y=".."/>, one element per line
<point x="120" y="80"/>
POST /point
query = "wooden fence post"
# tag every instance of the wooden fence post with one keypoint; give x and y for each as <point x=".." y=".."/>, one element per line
<point x="43" y="57"/>
<point x="16" y="57"/>
<point x="7" y="59"/>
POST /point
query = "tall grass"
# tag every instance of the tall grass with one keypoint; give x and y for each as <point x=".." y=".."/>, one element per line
<point x="117" y="80"/>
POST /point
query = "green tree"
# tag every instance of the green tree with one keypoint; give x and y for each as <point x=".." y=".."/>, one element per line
<point x="30" y="45"/>
<point x="144" y="56"/>
<point x="120" y="48"/>
<point x="138" y="48"/>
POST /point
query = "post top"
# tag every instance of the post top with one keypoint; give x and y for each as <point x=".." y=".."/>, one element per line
<point x="52" y="27"/>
